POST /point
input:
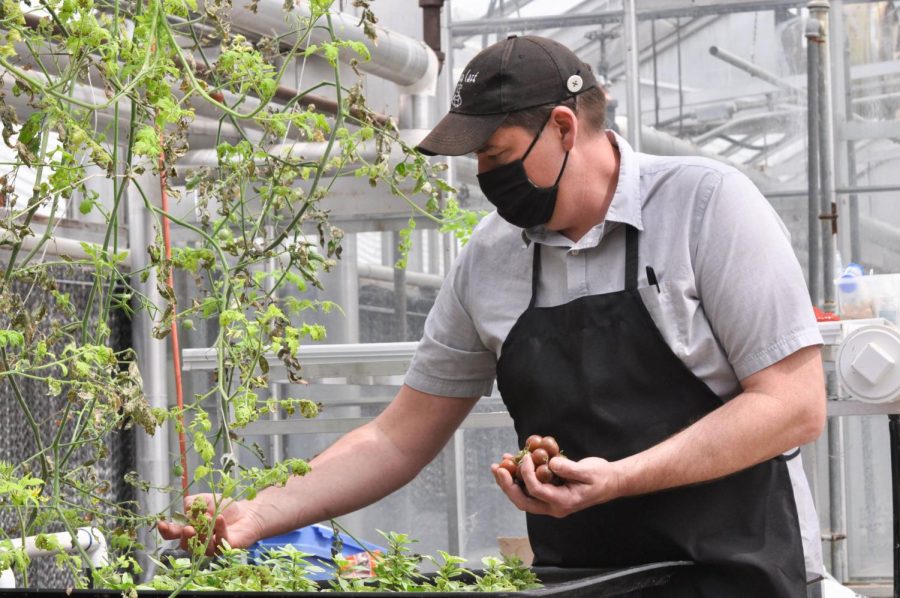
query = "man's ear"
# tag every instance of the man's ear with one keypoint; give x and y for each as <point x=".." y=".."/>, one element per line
<point x="566" y="123"/>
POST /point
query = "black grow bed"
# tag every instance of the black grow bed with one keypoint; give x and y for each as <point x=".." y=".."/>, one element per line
<point x="568" y="583"/>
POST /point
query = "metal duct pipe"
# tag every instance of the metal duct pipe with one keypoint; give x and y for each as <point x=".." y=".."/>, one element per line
<point x="153" y="451"/>
<point x="661" y="143"/>
<point x="395" y="57"/>
<point x="750" y="68"/>
<point x="632" y="73"/>
<point x="812" y="129"/>
<point x="817" y="36"/>
<point x="818" y="11"/>
<point x="202" y="131"/>
<point x="247" y="103"/>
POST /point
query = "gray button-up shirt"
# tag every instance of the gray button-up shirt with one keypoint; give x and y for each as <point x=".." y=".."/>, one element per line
<point x="731" y="299"/>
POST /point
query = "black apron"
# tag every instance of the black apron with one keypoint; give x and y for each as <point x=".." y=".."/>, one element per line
<point x="597" y="374"/>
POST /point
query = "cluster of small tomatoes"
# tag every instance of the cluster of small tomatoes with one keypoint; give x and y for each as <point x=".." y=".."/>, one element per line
<point x="541" y="449"/>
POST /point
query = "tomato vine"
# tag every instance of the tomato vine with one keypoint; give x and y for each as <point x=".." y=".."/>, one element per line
<point x="96" y="94"/>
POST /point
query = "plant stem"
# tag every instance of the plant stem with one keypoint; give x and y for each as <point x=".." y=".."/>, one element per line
<point x="29" y="417"/>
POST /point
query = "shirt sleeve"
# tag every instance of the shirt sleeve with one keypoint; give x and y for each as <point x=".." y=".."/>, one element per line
<point x="748" y="278"/>
<point x="451" y="360"/>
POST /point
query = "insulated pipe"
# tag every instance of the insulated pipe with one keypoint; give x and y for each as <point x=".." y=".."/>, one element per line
<point x="632" y="73"/>
<point x="248" y="103"/>
<point x="395" y="57"/>
<point x="153" y="462"/>
<point x="750" y="68"/>
<point x="276" y="441"/>
<point x="88" y="539"/>
<point x="202" y="130"/>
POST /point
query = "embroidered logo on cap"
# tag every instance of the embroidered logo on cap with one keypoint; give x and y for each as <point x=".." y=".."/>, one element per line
<point x="575" y="83"/>
<point x="456" y="102"/>
<point x="467" y="77"/>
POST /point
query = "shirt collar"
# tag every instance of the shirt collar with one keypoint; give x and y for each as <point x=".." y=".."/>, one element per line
<point x="625" y="207"/>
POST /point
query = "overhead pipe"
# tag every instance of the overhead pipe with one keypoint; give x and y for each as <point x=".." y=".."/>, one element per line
<point x="750" y="68"/>
<point x="431" y="27"/>
<point x="659" y="142"/>
<point x="248" y="103"/>
<point x="153" y="464"/>
<point x="394" y="57"/>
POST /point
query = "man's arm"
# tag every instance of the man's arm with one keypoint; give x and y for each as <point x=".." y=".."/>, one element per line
<point x="781" y="407"/>
<point x="360" y="468"/>
<point x="368" y="463"/>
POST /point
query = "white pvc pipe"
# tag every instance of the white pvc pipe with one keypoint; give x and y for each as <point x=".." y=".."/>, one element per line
<point x="89" y="539"/>
<point x="65" y="247"/>
<point x="7" y="579"/>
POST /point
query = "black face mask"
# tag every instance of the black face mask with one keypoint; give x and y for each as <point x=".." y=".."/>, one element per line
<point x="518" y="200"/>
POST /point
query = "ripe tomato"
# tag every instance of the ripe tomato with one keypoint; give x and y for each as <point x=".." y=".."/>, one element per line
<point x="510" y="466"/>
<point x="543" y="474"/>
<point x="540" y="457"/>
<point x="549" y="444"/>
<point x="532" y="442"/>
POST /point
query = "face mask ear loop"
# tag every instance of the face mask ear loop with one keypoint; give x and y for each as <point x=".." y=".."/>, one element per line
<point x="538" y="136"/>
<point x="561" y="170"/>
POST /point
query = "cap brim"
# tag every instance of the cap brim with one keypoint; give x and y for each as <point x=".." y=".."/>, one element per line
<point x="458" y="134"/>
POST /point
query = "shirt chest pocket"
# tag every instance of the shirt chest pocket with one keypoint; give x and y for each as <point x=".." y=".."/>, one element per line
<point x="677" y="313"/>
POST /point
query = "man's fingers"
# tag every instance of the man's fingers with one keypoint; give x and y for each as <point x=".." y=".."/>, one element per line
<point x="169" y="531"/>
<point x="515" y="494"/>
<point x="569" y="470"/>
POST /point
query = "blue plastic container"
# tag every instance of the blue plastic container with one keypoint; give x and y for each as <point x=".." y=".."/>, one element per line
<point x="315" y="540"/>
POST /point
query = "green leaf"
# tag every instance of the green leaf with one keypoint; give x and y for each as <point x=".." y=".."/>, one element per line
<point x="11" y="338"/>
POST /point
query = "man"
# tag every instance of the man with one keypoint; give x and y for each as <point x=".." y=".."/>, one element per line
<point x="646" y="311"/>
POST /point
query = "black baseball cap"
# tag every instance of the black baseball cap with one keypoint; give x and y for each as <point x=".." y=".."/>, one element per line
<point x="511" y="75"/>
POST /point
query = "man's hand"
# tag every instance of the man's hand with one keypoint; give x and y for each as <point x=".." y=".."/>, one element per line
<point x="361" y="467"/>
<point x="782" y="407"/>
<point x="588" y="482"/>
<point x="237" y="524"/>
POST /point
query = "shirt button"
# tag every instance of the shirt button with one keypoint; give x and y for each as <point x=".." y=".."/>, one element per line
<point x="575" y="252"/>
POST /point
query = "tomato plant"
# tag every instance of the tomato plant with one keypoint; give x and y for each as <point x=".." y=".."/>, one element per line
<point x="100" y="101"/>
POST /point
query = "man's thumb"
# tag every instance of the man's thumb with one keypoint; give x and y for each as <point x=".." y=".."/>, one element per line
<point x="566" y="469"/>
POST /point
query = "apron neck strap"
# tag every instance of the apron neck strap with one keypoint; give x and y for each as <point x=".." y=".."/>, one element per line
<point x="535" y="274"/>
<point x="631" y="263"/>
<point x="631" y="257"/>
